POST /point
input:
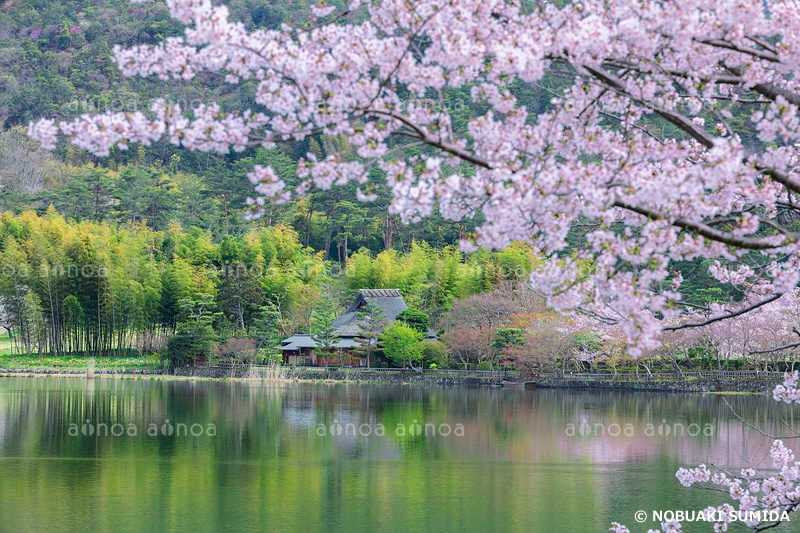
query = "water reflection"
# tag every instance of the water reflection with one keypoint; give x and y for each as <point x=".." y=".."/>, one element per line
<point x="274" y="462"/>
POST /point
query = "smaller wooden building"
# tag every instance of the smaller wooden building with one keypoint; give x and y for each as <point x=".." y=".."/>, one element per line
<point x="299" y="349"/>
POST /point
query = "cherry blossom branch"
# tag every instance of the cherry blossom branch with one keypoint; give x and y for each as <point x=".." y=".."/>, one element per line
<point x="749" y="243"/>
<point x="726" y="316"/>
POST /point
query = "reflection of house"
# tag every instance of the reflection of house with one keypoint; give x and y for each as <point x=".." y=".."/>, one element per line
<point x="299" y="349"/>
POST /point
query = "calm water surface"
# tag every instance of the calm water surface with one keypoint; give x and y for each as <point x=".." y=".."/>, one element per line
<point x="337" y="458"/>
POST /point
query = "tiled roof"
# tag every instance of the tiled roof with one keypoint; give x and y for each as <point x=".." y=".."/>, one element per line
<point x="347" y="326"/>
<point x="389" y="300"/>
<point x="303" y="340"/>
<point x="380" y="293"/>
<point x="297" y="342"/>
<point x="348" y="343"/>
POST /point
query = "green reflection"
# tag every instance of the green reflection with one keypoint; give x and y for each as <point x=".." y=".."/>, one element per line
<point x="267" y="467"/>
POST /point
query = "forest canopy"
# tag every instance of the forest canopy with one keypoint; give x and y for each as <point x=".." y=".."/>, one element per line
<point x="101" y="287"/>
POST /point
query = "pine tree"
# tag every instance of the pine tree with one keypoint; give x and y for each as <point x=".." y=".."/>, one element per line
<point x="322" y="327"/>
<point x="266" y="326"/>
<point x="371" y="321"/>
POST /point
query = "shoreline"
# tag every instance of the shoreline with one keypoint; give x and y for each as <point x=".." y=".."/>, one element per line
<point x="702" y="386"/>
<point x="750" y="385"/>
<point x="279" y="376"/>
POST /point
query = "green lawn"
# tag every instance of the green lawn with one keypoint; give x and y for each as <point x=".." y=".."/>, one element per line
<point x="5" y="344"/>
<point x="8" y="361"/>
<point x="11" y="361"/>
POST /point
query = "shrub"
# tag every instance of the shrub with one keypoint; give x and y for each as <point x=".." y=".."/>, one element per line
<point x="192" y="341"/>
<point x="269" y="356"/>
<point x="435" y="352"/>
<point x="402" y="344"/>
<point x="236" y="350"/>
<point x="505" y="337"/>
<point x="587" y="340"/>
<point x="414" y="318"/>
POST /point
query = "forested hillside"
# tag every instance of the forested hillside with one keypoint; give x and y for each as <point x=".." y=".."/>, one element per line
<point x="56" y="61"/>
<point x="56" y="56"/>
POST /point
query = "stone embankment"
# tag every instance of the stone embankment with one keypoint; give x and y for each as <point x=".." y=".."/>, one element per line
<point x="722" y="381"/>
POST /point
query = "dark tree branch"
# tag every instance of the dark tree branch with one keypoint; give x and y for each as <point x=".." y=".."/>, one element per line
<point x="729" y="314"/>
<point x="704" y="230"/>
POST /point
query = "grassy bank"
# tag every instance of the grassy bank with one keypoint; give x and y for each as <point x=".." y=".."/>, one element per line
<point x="21" y="362"/>
<point x="5" y="344"/>
<point x="11" y="361"/>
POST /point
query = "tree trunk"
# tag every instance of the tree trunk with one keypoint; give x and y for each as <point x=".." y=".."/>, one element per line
<point x="308" y="219"/>
<point x="225" y="210"/>
<point x="388" y="232"/>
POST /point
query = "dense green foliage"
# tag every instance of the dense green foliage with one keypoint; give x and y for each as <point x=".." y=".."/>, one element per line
<point x="415" y="318"/>
<point x="55" y="57"/>
<point x="402" y="344"/>
<point x="101" y="287"/>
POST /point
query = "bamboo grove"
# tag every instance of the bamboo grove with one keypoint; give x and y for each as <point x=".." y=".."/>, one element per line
<point x="100" y="288"/>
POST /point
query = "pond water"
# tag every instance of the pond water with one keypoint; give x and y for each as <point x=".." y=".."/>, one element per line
<point x="159" y="455"/>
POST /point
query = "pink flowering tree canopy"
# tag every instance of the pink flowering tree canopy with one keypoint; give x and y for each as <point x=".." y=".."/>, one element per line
<point x="643" y="145"/>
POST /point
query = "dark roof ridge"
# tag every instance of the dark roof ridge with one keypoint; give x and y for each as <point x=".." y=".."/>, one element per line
<point x="380" y="293"/>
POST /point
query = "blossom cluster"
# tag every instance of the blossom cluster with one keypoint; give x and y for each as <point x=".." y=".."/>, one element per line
<point x="766" y="333"/>
<point x="788" y="391"/>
